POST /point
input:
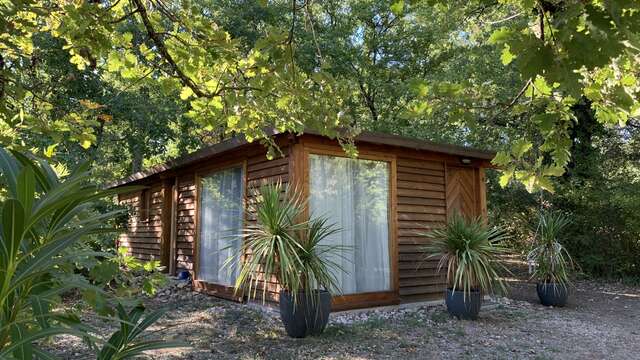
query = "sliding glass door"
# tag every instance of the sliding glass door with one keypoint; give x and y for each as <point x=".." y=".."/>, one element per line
<point x="354" y="194"/>
<point x="221" y="219"/>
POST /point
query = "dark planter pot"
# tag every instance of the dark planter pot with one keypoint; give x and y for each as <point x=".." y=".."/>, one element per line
<point x="308" y="316"/>
<point x="552" y="294"/>
<point x="464" y="307"/>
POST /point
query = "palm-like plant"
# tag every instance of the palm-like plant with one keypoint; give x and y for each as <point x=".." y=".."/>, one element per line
<point x="281" y="245"/>
<point x="43" y="217"/>
<point x="127" y="342"/>
<point x="318" y="265"/>
<point x="470" y="252"/>
<point x="552" y="262"/>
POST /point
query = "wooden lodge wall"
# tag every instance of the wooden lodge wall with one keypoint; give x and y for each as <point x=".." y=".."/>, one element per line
<point x="421" y="203"/>
<point x="429" y="188"/>
<point x="421" y="206"/>
<point x="143" y="238"/>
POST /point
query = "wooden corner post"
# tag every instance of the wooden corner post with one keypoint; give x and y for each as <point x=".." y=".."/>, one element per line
<point x="167" y="224"/>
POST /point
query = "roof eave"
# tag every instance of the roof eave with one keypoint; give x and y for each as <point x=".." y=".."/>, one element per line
<point x="369" y="137"/>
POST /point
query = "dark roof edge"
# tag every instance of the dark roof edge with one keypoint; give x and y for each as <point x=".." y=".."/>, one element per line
<point x="417" y="144"/>
<point x="369" y="137"/>
<point x="182" y="161"/>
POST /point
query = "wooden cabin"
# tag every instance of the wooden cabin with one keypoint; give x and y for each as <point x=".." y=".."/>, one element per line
<point x="395" y="188"/>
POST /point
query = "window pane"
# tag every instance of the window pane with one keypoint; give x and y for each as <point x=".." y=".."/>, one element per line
<point x="220" y="219"/>
<point x="354" y="194"/>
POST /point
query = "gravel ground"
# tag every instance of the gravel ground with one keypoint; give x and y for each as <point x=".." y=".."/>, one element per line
<point x="601" y="321"/>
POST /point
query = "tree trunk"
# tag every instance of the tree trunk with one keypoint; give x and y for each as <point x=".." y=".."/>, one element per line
<point x="137" y="157"/>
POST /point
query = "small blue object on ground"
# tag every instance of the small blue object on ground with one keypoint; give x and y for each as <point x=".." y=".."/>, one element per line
<point x="183" y="275"/>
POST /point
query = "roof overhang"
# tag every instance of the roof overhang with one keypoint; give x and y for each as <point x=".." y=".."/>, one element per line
<point x="366" y="137"/>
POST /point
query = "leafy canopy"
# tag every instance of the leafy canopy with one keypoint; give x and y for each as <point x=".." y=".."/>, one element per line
<point x="293" y="73"/>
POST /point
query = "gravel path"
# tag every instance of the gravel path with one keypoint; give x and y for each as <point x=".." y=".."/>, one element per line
<point x="601" y="322"/>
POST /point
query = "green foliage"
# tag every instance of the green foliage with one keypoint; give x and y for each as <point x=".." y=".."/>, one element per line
<point x="543" y="44"/>
<point x="42" y="217"/>
<point x="126" y="343"/>
<point x="131" y="276"/>
<point x="45" y="220"/>
<point x="599" y="192"/>
<point x="471" y="251"/>
<point x="180" y="48"/>
<point x="356" y="70"/>
<point x="285" y="248"/>
<point x="318" y="263"/>
<point x="130" y="85"/>
<point x="551" y="260"/>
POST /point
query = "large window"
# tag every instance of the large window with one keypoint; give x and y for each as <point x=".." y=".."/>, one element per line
<point x="354" y="194"/>
<point x="220" y="221"/>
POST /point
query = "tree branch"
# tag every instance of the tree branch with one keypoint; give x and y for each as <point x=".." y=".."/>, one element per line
<point x="124" y="17"/>
<point x="162" y="49"/>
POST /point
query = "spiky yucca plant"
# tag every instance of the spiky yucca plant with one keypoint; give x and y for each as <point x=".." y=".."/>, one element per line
<point x="281" y="245"/>
<point x="470" y="251"/>
<point x="552" y="262"/>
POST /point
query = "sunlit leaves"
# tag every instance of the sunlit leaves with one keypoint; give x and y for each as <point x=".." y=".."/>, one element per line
<point x="186" y="93"/>
<point x="566" y="54"/>
<point x="520" y="147"/>
<point x="397" y="7"/>
<point x="79" y="61"/>
<point x="388" y="73"/>
<point x="505" y="177"/>
<point x="507" y="57"/>
<point x="419" y="87"/>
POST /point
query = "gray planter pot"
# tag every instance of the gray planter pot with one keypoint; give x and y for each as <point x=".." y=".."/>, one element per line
<point x="307" y="317"/>
<point x="462" y="307"/>
<point x="552" y="294"/>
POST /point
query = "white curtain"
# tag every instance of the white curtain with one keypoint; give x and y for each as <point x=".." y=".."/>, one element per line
<point x="354" y="194"/>
<point x="220" y="222"/>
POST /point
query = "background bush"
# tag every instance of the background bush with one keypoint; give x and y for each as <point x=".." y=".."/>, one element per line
<point x="601" y="192"/>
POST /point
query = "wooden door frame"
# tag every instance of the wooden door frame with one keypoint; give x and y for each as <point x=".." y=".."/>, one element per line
<point x="378" y="298"/>
<point x="219" y="290"/>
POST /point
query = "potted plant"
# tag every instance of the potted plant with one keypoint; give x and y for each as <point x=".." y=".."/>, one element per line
<point x="551" y="261"/>
<point x="283" y="246"/>
<point x="470" y="251"/>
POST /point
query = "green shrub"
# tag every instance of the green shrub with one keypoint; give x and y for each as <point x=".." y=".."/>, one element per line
<point x="45" y="219"/>
<point x="552" y="261"/>
<point x="470" y="251"/>
<point x="284" y="246"/>
<point x="604" y="235"/>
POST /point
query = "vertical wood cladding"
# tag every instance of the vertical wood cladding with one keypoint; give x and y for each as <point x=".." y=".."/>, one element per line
<point x="144" y="228"/>
<point x="421" y="206"/>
